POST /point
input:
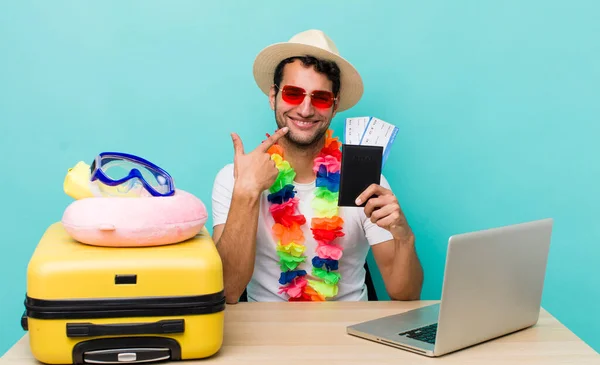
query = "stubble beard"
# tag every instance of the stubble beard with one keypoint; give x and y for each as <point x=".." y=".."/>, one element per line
<point x="297" y="142"/>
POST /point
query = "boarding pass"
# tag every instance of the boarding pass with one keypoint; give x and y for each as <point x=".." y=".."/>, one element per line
<point x="371" y="131"/>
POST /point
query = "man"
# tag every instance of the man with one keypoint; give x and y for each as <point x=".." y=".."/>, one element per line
<point x="277" y="226"/>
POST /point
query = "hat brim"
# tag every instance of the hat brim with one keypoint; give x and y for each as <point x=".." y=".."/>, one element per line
<point x="351" y="88"/>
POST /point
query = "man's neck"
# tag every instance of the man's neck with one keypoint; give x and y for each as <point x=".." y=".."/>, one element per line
<point x="302" y="159"/>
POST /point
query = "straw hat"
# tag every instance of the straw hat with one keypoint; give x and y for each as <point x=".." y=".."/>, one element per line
<point x="314" y="43"/>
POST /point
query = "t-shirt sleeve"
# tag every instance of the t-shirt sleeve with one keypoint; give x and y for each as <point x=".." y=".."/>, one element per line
<point x="373" y="232"/>
<point x="221" y="194"/>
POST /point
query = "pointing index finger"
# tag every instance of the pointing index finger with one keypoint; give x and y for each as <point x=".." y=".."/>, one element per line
<point x="264" y="147"/>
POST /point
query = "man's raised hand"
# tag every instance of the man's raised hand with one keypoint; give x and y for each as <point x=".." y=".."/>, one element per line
<point x="255" y="172"/>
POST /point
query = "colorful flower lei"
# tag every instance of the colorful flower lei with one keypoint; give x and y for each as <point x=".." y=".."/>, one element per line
<point x="326" y="225"/>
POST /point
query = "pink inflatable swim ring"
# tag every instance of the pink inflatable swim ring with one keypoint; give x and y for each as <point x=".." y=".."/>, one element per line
<point x="135" y="222"/>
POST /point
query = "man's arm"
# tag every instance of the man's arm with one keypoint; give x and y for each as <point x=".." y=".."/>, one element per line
<point x="236" y="242"/>
<point x="400" y="268"/>
<point x="253" y="173"/>
<point x="396" y="258"/>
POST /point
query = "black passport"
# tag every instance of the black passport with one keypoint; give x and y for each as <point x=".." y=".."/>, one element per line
<point x="360" y="167"/>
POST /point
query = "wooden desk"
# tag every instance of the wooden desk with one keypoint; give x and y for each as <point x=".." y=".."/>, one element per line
<point x="315" y="333"/>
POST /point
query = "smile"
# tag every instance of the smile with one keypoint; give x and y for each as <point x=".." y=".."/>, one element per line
<point x="302" y="124"/>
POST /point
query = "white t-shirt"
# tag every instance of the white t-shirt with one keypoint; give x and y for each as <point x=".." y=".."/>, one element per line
<point x="358" y="229"/>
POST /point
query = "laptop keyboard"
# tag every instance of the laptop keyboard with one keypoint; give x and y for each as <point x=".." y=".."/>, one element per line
<point x="425" y="334"/>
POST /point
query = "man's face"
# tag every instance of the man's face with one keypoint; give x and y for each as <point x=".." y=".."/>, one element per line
<point x="307" y="123"/>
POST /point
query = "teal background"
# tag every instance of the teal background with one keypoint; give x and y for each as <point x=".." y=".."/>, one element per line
<point x="497" y="105"/>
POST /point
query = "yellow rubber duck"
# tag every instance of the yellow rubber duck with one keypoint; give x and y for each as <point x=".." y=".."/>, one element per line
<point x="77" y="181"/>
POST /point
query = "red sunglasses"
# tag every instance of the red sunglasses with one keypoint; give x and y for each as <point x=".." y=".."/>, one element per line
<point x="295" y="95"/>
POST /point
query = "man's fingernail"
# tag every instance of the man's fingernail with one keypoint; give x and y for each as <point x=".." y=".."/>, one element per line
<point x="285" y="129"/>
<point x="357" y="201"/>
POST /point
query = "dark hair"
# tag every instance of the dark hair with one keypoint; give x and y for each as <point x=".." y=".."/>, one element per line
<point x="328" y="68"/>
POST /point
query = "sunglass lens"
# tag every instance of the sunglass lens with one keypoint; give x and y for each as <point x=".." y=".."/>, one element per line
<point x="322" y="99"/>
<point x="293" y="95"/>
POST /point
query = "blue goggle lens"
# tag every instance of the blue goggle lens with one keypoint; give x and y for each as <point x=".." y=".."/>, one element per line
<point x="117" y="169"/>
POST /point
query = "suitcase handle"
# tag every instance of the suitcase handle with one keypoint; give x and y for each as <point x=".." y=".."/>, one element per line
<point x="87" y="329"/>
<point x="147" y="349"/>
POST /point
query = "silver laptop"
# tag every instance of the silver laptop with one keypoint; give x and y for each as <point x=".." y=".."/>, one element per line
<point x="493" y="283"/>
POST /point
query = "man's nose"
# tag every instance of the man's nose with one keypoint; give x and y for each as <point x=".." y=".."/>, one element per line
<point x="306" y="109"/>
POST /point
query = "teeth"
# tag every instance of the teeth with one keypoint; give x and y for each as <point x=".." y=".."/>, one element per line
<point x="302" y="123"/>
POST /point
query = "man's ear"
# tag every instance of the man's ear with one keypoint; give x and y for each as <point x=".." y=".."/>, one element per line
<point x="336" y="104"/>
<point x="272" y="97"/>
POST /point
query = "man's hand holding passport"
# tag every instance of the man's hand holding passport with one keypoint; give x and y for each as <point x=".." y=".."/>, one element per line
<point x="364" y="152"/>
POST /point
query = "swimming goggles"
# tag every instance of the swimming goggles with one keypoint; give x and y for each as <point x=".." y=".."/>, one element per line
<point x="125" y="171"/>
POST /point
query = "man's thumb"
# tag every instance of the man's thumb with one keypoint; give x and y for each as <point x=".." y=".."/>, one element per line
<point x="238" y="146"/>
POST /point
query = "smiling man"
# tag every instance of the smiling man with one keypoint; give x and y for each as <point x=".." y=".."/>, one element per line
<point x="277" y="226"/>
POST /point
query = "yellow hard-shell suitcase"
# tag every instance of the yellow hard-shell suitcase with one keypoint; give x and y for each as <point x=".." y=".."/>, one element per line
<point x="88" y="304"/>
